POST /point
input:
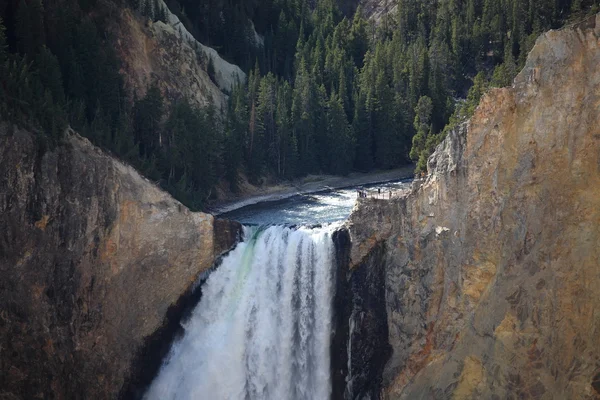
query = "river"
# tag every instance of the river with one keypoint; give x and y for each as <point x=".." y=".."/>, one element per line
<point x="263" y="327"/>
<point x="311" y="209"/>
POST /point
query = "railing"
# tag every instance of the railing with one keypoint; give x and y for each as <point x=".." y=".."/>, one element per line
<point x="381" y="195"/>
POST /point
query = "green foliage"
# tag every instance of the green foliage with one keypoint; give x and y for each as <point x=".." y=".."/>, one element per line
<point x="29" y="28"/>
<point x="363" y="133"/>
<point x="479" y="87"/>
<point x="328" y="92"/>
<point x="2" y="47"/>
<point x="50" y="74"/>
<point x="147" y="116"/>
<point x="188" y="132"/>
<point x="331" y="94"/>
<point x="504" y="73"/>
<point x="422" y="126"/>
<point x="235" y="132"/>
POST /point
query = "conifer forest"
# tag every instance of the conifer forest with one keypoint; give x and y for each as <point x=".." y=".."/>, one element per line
<point x="327" y="90"/>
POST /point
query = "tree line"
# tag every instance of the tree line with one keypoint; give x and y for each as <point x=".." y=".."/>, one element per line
<point x="326" y="91"/>
<point x="334" y="93"/>
<point x="58" y="68"/>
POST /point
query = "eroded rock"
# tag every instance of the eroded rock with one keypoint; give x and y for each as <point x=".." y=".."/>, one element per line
<point x="492" y="271"/>
<point x="92" y="256"/>
<point x="155" y="53"/>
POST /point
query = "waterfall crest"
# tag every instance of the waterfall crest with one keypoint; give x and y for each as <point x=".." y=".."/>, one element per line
<point x="262" y="329"/>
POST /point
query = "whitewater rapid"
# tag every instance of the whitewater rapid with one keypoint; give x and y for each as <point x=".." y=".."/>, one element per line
<point x="262" y="329"/>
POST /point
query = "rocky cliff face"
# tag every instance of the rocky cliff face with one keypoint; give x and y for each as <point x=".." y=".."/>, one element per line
<point x="492" y="266"/>
<point x="377" y="9"/>
<point x="168" y="55"/>
<point x="92" y="258"/>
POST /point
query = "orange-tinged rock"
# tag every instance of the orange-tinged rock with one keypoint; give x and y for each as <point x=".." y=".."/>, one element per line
<point x="497" y="249"/>
<point x="92" y="258"/>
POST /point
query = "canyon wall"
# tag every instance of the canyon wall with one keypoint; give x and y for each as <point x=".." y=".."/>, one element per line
<point x="491" y="266"/>
<point x="168" y="55"/>
<point x="155" y="53"/>
<point x="376" y="10"/>
<point x="93" y="262"/>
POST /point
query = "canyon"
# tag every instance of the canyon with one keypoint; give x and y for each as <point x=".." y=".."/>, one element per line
<point x="94" y="259"/>
<point x="482" y="282"/>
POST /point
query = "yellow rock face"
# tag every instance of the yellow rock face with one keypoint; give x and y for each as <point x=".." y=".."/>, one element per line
<point x="471" y="377"/>
<point x="153" y="53"/>
<point x="506" y="293"/>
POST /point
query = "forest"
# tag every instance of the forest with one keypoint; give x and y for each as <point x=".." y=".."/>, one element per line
<point x="327" y="92"/>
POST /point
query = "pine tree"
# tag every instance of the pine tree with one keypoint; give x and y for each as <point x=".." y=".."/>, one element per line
<point x="100" y="129"/>
<point x="146" y="121"/>
<point x="237" y="125"/>
<point x="504" y="73"/>
<point x="267" y="141"/>
<point x="343" y="93"/>
<point x="287" y="154"/>
<point x="2" y="44"/>
<point x="163" y="15"/>
<point x="305" y="110"/>
<point x="3" y="70"/>
<point x="155" y="11"/>
<point x="340" y="141"/>
<point x="29" y="28"/>
<point x="50" y="75"/>
<point x="361" y="125"/>
<point x="358" y="41"/>
<point x="422" y="125"/>
<point x="477" y="90"/>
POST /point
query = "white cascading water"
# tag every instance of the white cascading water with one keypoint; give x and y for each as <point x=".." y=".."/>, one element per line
<point x="262" y="329"/>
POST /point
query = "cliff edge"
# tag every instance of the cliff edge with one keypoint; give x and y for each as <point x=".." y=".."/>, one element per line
<point x="92" y="258"/>
<point x="492" y="266"/>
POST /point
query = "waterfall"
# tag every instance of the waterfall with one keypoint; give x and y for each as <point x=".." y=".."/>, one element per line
<point x="262" y="329"/>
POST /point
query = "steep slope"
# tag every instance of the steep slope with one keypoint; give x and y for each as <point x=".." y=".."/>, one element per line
<point x="227" y="75"/>
<point x="377" y="9"/>
<point x="491" y="267"/>
<point x="93" y="257"/>
<point x="169" y="55"/>
<point x="154" y="53"/>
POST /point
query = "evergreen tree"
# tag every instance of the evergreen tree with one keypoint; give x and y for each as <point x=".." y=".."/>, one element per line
<point x="317" y="69"/>
<point x="340" y="141"/>
<point x="50" y="74"/>
<point x="3" y="71"/>
<point x="477" y="90"/>
<point x="504" y="73"/>
<point x="147" y="9"/>
<point x="358" y="40"/>
<point x="267" y="146"/>
<point x="235" y="132"/>
<point x="2" y="44"/>
<point x="423" y="128"/>
<point x="287" y="155"/>
<point x="29" y="28"/>
<point x="147" y="115"/>
<point x="361" y="125"/>
<point x="304" y="116"/>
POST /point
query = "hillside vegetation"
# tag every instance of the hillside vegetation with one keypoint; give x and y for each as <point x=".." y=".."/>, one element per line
<point x="326" y="92"/>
